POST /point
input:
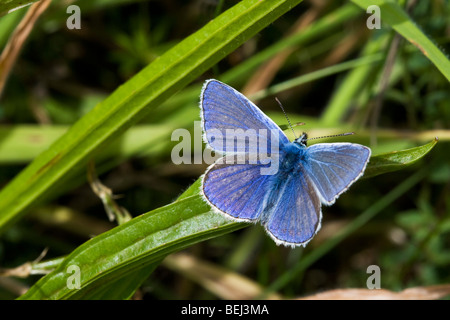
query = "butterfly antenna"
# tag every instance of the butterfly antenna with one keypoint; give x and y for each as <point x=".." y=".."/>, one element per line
<point x="333" y="135"/>
<point x="290" y="125"/>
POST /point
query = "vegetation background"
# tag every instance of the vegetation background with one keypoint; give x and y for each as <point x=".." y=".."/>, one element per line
<point x="389" y="85"/>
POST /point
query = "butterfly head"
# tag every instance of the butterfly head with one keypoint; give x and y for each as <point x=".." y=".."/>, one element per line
<point x="302" y="140"/>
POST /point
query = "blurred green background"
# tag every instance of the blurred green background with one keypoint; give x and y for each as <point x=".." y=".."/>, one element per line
<point x="397" y="100"/>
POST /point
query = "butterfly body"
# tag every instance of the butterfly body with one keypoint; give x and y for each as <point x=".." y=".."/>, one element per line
<point x="287" y="199"/>
<point x="290" y="161"/>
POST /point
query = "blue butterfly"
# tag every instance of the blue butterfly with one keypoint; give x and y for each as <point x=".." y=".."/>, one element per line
<point x="287" y="202"/>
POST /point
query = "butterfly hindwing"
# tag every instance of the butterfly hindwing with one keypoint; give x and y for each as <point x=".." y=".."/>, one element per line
<point x="333" y="167"/>
<point x="295" y="216"/>
<point x="236" y="189"/>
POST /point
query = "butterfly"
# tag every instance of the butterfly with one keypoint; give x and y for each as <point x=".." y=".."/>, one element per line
<point x="285" y="201"/>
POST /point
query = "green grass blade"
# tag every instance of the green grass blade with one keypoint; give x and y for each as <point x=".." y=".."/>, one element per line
<point x="133" y="246"/>
<point x="23" y="143"/>
<point x="118" y="289"/>
<point x="317" y="30"/>
<point x="352" y="84"/>
<point x="135" y="99"/>
<point x="396" y="160"/>
<point x="12" y="5"/>
<point x="305" y="78"/>
<point x="396" y="17"/>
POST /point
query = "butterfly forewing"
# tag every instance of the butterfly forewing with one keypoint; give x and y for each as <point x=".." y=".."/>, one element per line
<point x="229" y="116"/>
